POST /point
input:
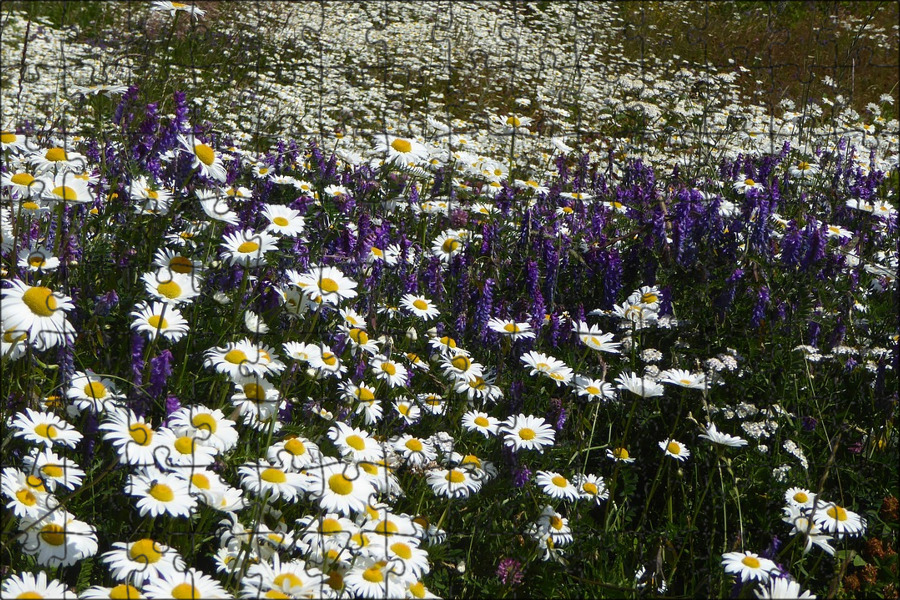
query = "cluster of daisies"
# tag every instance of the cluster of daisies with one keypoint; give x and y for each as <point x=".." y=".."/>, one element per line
<point x="813" y="522"/>
<point x="308" y="508"/>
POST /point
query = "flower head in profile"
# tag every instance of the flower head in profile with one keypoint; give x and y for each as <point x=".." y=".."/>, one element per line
<point x="643" y="387"/>
<point x="174" y="8"/>
<point x="723" y="439"/>
<point x="592" y="337"/>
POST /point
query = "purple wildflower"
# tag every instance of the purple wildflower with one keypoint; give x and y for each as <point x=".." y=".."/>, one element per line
<point x="160" y="370"/>
<point x="510" y="572"/>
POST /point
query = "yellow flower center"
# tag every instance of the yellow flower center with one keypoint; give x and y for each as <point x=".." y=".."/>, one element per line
<point x="450" y="245"/>
<point x="560" y="481"/>
<point x="556" y="523"/>
<point x="401" y="146"/>
<point x="162" y="492"/>
<point x="30" y="205"/>
<point x="526" y="433"/>
<point x="46" y="430"/>
<point x="749" y="182"/>
<point x="64" y="192"/>
<point x="281" y="221"/>
<point x="673" y="448"/>
<point x="169" y="289"/>
<point x="471" y="459"/>
<point x="414" y="445"/>
<point x="417" y="589"/>
<point x="10" y="336"/>
<point x="22" y="179"/>
<point x="56" y="155"/>
<point x="359" y="336"/>
<point x="330" y="525"/>
<point x="145" y="551"/>
<point x="621" y="453"/>
<point x="255" y="392"/>
<point x="53" y="534"/>
<point x="199" y="480"/>
<point x="511" y="328"/>
<point x="355" y="442"/>
<point x="649" y="298"/>
<point x="204" y="421"/>
<point x="751" y="562"/>
<point x="365" y="395"/>
<point x="461" y="363"/>
<point x="26" y="497"/>
<point x="389" y="368"/>
<point x="8" y="137"/>
<point x="329" y="359"/>
<point x="95" y="389"/>
<point x="236" y="357"/>
<point x="482" y="422"/>
<point x="593" y="390"/>
<point x="803" y="166"/>
<point x="386" y="527"/>
<point x="181" y="264"/>
<point x="590" y="488"/>
<point x="340" y="484"/>
<point x="157" y="322"/>
<point x="205" y="154"/>
<point x="513" y="121"/>
<point x="837" y="513"/>
<point x="402" y="550"/>
<point x="801" y="497"/>
<point x="335" y="580"/>
<point x="123" y="591"/>
<point x="273" y="475"/>
<point x="248" y="247"/>
<point x="454" y="476"/>
<point x="420" y="304"/>
<point x="40" y="301"/>
<point x="35" y="483"/>
<point x="289" y="579"/>
<point x="185" y="444"/>
<point x="373" y="574"/>
<point x="328" y="285"/>
<point x="185" y="591"/>
<point x="295" y="447"/>
<point x="52" y="470"/>
<point x="140" y="433"/>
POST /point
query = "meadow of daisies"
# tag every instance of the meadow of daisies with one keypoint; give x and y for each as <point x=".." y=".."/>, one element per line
<point x="555" y="333"/>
